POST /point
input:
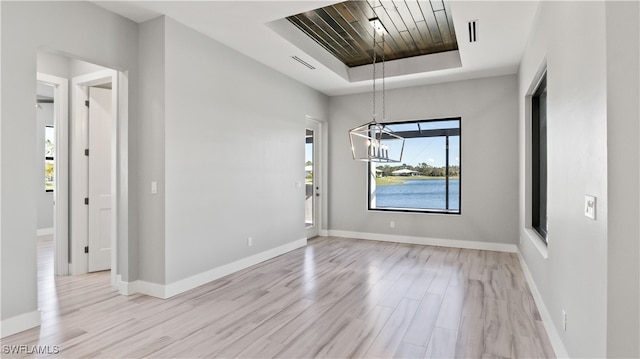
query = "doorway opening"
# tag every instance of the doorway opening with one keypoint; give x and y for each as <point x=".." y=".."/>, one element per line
<point x="85" y="194"/>
<point x="51" y="94"/>
<point x="52" y="98"/>
<point x="93" y="175"/>
<point x="309" y="218"/>
<point x="312" y="170"/>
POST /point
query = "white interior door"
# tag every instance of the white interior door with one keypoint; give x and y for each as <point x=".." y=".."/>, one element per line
<point x="100" y="124"/>
<point x="312" y="176"/>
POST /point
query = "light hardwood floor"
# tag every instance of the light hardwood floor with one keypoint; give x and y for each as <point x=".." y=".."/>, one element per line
<point x="335" y="298"/>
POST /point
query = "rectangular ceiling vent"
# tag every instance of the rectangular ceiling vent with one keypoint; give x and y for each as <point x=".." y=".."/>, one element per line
<point x="311" y="67"/>
<point x="473" y="31"/>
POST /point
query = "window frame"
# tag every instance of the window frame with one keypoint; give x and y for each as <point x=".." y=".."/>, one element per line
<point x="538" y="159"/>
<point x="417" y="134"/>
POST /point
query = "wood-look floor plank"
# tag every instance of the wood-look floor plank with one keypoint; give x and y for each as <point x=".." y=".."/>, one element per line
<point x="389" y="338"/>
<point x="334" y="298"/>
<point x="451" y="308"/>
<point x="471" y="337"/>
<point x="396" y="292"/>
<point x="260" y="349"/>
<point x="424" y="321"/>
<point x="420" y="285"/>
<point x="406" y="350"/>
<point x="442" y="343"/>
<point x="354" y="339"/>
<point x="265" y="329"/>
<point x="497" y="328"/>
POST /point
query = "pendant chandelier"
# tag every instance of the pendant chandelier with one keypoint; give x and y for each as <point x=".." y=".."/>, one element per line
<point x="373" y="141"/>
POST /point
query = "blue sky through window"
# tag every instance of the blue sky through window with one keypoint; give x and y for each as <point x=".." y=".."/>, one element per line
<point x="429" y="150"/>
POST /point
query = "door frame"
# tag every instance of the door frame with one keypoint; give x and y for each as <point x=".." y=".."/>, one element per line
<point x="61" y="190"/>
<point x="318" y="176"/>
<point x="79" y="169"/>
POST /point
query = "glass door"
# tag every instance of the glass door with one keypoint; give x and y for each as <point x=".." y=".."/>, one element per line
<point x="312" y="187"/>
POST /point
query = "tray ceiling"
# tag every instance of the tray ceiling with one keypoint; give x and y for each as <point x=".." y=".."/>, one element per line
<point x="256" y="28"/>
<point x="414" y="28"/>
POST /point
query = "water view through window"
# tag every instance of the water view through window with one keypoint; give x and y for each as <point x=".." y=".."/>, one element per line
<point x="428" y="179"/>
<point x="419" y="194"/>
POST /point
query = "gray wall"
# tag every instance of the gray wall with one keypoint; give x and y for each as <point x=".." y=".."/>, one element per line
<point x="489" y="110"/>
<point x="59" y="26"/>
<point x="623" y="179"/>
<point x="592" y="267"/>
<point x="151" y="146"/>
<point x="234" y="146"/>
<point x="54" y="64"/>
<point x="61" y="65"/>
<point x="222" y="135"/>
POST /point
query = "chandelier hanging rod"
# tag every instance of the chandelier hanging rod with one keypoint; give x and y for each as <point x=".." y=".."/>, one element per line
<point x="373" y="141"/>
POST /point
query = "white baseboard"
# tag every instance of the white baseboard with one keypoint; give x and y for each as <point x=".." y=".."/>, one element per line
<point x="181" y="286"/>
<point x="45" y="232"/>
<point x="454" y="243"/>
<point x="124" y="288"/>
<point x="552" y="332"/>
<point x="219" y="272"/>
<point x="19" y="323"/>
<point x="142" y="287"/>
<point x="323" y="232"/>
<point x="151" y="289"/>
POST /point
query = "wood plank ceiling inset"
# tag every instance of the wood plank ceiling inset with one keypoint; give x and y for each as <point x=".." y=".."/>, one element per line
<point x="415" y="27"/>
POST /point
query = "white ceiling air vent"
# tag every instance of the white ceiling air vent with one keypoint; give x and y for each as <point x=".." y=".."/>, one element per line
<point x="473" y="31"/>
<point x="311" y="67"/>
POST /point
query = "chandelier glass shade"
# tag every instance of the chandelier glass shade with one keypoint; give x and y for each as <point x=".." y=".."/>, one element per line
<point x="373" y="141"/>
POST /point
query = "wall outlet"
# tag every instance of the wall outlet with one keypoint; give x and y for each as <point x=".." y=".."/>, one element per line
<point x="249" y="242"/>
<point x="564" y="320"/>
<point x="154" y="187"/>
<point x="392" y="224"/>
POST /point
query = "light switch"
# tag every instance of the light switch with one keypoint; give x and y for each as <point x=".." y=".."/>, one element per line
<point x="154" y="187"/>
<point x="590" y="207"/>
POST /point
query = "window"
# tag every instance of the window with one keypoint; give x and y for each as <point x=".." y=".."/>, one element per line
<point x="539" y="159"/>
<point x="49" y="162"/>
<point x="428" y="179"/>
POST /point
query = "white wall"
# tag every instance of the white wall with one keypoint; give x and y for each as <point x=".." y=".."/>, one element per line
<point x="592" y="267"/>
<point x="488" y="108"/>
<point x="111" y="41"/>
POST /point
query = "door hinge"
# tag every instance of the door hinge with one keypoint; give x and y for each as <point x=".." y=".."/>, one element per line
<point x="86" y="249"/>
<point x="86" y="152"/>
<point x="86" y="200"/>
<point x="86" y="103"/>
